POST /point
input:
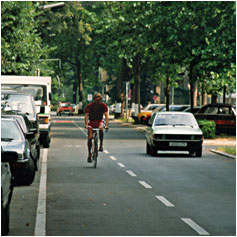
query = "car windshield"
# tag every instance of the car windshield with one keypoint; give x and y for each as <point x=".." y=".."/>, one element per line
<point x="20" y="103"/>
<point x="65" y="105"/>
<point x="37" y="91"/>
<point x="10" y="131"/>
<point x="175" y="119"/>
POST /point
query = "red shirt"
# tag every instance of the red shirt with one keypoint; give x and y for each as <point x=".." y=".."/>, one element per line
<point x="96" y="110"/>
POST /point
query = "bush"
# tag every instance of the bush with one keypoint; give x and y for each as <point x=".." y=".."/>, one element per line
<point x="208" y="128"/>
<point x="54" y="107"/>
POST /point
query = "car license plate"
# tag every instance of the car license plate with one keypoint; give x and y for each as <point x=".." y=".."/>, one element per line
<point x="179" y="144"/>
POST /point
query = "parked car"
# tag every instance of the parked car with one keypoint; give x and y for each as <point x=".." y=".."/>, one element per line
<point x="24" y="103"/>
<point x="176" y="108"/>
<point x="27" y="127"/>
<point x="195" y="109"/>
<point x="13" y="139"/>
<point x="7" y="157"/>
<point x="174" y="131"/>
<point x="163" y="109"/>
<point x="146" y="113"/>
<point x="224" y="115"/>
<point x="141" y="117"/>
<point x="65" y="108"/>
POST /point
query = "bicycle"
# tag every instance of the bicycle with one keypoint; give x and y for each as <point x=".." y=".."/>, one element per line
<point x="94" y="153"/>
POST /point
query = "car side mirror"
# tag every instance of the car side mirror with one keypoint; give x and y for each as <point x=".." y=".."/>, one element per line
<point x="30" y="135"/>
<point x="200" y="125"/>
<point x="9" y="156"/>
<point x="33" y="130"/>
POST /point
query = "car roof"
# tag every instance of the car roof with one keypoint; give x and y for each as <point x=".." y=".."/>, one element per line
<point x="8" y="118"/>
<point x="173" y="112"/>
<point x="218" y="104"/>
<point x="13" y="92"/>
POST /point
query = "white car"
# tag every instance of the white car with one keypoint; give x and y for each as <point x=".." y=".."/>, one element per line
<point x="174" y="131"/>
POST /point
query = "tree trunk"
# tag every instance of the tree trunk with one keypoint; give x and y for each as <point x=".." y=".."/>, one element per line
<point x="75" y="92"/>
<point x="137" y="81"/>
<point x="191" y="82"/>
<point x="167" y="94"/>
<point x="79" y="77"/>
<point x="214" y="99"/>
<point x="224" y="94"/>
<point x="124" y="76"/>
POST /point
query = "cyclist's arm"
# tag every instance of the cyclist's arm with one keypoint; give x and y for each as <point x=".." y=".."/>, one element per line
<point x="106" y="119"/>
<point x="86" y="119"/>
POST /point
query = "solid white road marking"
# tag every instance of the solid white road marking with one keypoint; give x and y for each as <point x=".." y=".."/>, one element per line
<point x="40" y="225"/>
<point x="143" y="183"/>
<point x="106" y="152"/>
<point x="165" y="201"/>
<point x="121" y="164"/>
<point x="112" y="158"/>
<point x="131" y="173"/>
<point x="195" y="226"/>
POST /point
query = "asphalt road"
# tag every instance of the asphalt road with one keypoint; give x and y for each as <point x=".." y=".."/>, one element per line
<point x="130" y="192"/>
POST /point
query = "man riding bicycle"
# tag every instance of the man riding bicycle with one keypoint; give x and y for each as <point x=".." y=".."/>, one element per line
<point x="94" y="113"/>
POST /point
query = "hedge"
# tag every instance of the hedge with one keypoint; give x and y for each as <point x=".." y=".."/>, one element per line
<point x="208" y="128"/>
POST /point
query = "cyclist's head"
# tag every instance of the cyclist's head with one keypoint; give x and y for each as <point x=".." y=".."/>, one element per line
<point x="97" y="97"/>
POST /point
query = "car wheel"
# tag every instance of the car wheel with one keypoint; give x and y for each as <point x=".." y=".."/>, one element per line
<point x="153" y="150"/>
<point x="199" y="152"/>
<point x="148" y="148"/>
<point x="46" y="141"/>
<point x="142" y="120"/>
<point x="5" y="216"/>
<point x="147" y="121"/>
<point x="30" y="173"/>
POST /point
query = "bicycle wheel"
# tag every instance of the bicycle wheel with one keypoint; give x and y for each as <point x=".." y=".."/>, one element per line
<point x="95" y="152"/>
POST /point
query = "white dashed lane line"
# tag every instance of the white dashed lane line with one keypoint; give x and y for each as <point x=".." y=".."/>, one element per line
<point x="164" y="201"/>
<point x="144" y="184"/>
<point x="112" y="158"/>
<point x="106" y="152"/>
<point x="131" y="173"/>
<point x="121" y="165"/>
<point x="195" y="226"/>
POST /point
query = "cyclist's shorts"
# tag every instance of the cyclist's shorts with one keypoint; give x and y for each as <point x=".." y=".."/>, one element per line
<point x="96" y="123"/>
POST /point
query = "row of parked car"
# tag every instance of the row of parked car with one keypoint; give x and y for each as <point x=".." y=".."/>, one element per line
<point x="224" y="115"/>
<point x="20" y="146"/>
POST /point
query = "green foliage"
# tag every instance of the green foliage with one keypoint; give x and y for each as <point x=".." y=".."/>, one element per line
<point x="158" y="39"/>
<point x="20" y="42"/>
<point x="208" y="128"/>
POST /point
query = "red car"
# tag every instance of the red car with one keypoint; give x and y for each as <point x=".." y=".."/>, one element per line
<point x="224" y="115"/>
<point x="65" y="108"/>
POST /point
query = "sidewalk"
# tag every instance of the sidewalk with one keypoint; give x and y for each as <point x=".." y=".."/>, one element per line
<point x="219" y="141"/>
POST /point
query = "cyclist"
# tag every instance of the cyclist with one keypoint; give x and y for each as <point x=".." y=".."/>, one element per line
<point x="94" y="113"/>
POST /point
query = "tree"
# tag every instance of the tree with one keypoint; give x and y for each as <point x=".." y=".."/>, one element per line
<point x="21" y="45"/>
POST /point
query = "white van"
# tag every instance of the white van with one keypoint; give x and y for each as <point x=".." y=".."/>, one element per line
<point x="40" y="89"/>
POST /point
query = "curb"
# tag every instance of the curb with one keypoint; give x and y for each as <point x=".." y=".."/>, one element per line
<point x="223" y="154"/>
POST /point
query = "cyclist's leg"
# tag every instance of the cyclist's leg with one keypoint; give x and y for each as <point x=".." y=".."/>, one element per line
<point x="89" y="143"/>
<point x="101" y="136"/>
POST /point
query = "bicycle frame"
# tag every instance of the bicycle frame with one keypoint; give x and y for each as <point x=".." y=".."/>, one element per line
<point x="95" y="146"/>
